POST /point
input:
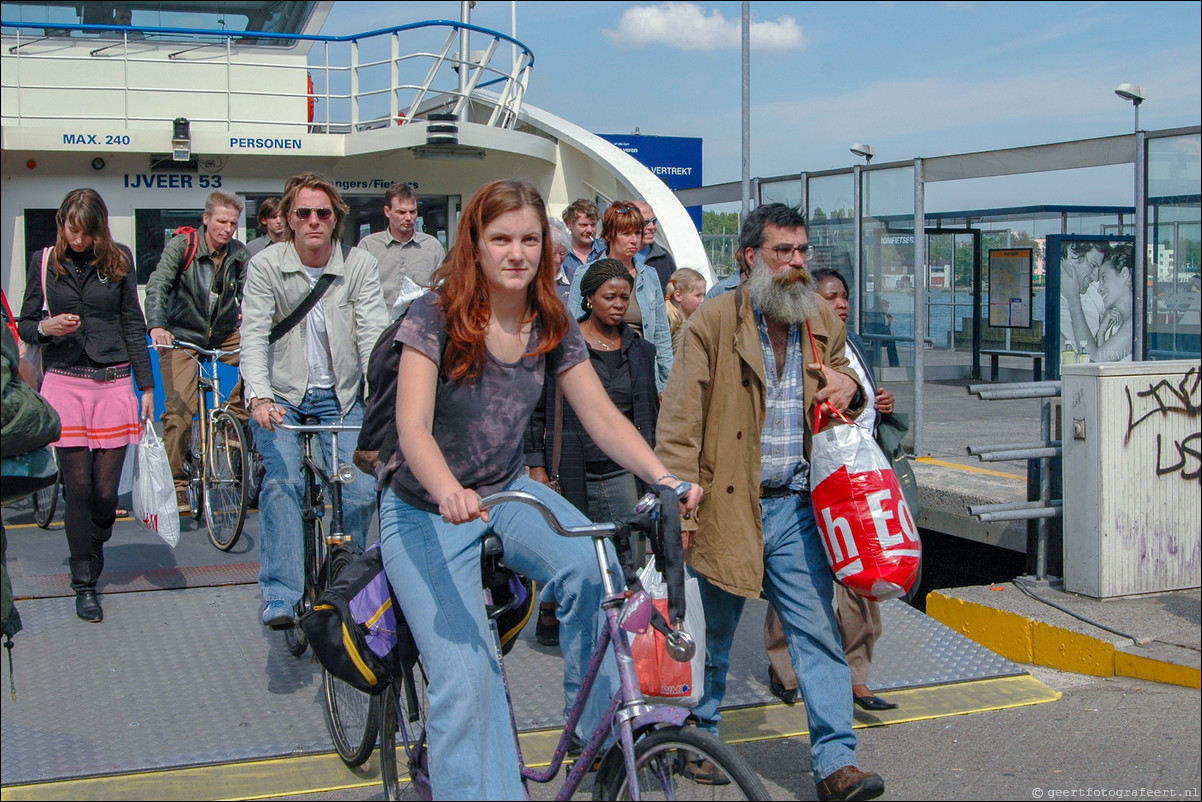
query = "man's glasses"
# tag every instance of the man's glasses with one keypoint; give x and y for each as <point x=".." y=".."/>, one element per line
<point x="650" y="220"/>
<point x="785" y="252"/>
<point x="303" y="212"/>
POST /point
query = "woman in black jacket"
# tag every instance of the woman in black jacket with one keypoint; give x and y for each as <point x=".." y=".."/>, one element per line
<point x="87" y="318"/>
<point x="625" y="363"/>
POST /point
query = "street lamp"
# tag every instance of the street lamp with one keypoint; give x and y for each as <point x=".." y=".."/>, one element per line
<point x="1135" y="94"/>
<point x="868" y="151"/>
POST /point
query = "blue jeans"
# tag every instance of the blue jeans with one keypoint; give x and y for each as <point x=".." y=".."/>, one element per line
<point x="434" y="569"/>
<point x="797" y="580"/>
<point x="281" y="531"/>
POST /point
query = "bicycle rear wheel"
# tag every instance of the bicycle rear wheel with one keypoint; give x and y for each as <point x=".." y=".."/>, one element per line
<point x="404" y="707"/>
<point x="352" y="716"/>
<point x="44" y="503"/>
<point x="680" y="763"/>
<point x="227" y="470"/>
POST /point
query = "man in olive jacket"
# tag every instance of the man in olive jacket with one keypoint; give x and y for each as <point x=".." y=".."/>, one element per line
<point x="745" y="387"/>
<point x="196" y="300"/>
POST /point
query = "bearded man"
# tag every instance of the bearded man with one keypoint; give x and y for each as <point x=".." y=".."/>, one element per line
<point x="745" y="386"/>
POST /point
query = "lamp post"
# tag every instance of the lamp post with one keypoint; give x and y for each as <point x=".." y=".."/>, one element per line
<point x="1139" y="314"/>
<point x="867" y="151"/>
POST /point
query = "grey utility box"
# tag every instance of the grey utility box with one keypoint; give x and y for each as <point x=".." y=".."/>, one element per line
<point x="1132" y="477"/>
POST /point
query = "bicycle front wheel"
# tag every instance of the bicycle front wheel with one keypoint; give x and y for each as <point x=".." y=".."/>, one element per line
<point x="352" y="716"/>
<point x="404" y="707"/>
<point x="680" y="763"/>
<point x="226" y="476"/>
<point x="44" y="503"/>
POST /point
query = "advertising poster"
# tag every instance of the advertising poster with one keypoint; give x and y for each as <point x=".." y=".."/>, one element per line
<point x="1010" y="294"/>
<point x="1090" y="284"/>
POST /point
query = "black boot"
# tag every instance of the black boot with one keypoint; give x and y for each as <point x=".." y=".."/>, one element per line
<point x="87" y="606"/>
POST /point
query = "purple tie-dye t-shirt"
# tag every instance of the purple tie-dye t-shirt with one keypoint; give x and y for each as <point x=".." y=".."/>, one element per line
<point x="479" y="426"/>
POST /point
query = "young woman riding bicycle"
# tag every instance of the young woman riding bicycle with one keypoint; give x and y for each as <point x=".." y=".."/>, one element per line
<point x="471" y="370"/>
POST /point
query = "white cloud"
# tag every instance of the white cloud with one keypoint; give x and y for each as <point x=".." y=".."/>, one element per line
<point x="686" y="26"/>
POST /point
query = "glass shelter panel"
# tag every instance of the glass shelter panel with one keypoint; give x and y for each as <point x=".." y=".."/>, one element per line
<point x="1174" y="247"/>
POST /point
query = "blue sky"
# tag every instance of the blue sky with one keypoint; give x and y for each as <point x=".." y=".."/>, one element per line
<point x="911" y="79"/>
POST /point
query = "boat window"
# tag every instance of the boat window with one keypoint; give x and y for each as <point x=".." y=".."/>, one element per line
<point x="153" y="228"/>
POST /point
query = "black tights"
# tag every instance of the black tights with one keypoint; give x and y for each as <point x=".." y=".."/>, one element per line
<point x="91" y="480"/>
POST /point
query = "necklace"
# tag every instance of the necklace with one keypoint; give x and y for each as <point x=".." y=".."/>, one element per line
<point x="599" y="340"/>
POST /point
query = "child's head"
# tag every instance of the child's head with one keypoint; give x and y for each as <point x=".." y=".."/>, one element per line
<point x="685" y="290"/>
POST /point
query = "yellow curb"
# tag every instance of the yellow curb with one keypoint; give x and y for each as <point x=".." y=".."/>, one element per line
<point x="1025" y="640"/>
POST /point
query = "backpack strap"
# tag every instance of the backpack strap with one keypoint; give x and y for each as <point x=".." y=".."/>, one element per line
<point x="319" y="289"/>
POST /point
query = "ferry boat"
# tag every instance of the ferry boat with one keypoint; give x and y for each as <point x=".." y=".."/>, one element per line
<point x="155" y="105"/>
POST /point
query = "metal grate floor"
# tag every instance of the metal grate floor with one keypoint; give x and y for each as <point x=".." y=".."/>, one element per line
<point x="189" y="676"/>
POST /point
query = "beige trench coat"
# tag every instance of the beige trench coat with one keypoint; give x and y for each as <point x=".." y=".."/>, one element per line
<point x="710" y="425"/>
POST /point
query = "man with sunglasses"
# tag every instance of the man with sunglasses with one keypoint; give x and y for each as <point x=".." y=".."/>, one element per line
<point x="315" y="367"/>
<point x="744" y="388"/>
<point x="655" y="256"/>
<point x="193" y="295"/>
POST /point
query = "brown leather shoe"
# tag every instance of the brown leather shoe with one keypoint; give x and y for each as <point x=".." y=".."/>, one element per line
<point x="851" y="783"/>
<point x="181" y="500"/>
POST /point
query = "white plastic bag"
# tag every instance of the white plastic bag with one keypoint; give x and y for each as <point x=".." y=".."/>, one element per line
<point x="154" y="501"/>
<point x="663" y="682"/>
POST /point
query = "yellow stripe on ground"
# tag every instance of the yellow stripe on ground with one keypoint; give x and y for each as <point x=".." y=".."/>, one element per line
<point x="1026" y="640"/>
<point x="326" y="773"/>
<point x="766" y="722"/>
<point x="970" y="468"/>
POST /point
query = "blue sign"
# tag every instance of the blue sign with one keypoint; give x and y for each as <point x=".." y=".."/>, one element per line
<point x="675" y="159"/>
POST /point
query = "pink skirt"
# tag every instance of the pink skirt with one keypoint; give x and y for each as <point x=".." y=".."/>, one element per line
<point x="94" y="414"/>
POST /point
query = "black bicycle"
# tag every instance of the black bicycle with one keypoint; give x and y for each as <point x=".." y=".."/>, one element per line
<point x="352" y="717"/>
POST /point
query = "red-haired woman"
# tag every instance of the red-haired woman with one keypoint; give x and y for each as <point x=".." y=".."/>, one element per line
<point x="474" y="356"/>
<point x="92" y="338"/>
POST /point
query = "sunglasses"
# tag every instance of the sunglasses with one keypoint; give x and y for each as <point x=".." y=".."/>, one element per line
<point x="650" y="220"/>
<point x="303" y="212"/>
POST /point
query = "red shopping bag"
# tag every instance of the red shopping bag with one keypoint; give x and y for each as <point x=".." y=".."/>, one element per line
<point x="659" y="675"/>
<point x="867" y="528"/>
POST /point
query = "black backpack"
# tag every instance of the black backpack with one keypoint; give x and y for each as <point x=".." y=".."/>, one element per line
<point x="377" y="437"/>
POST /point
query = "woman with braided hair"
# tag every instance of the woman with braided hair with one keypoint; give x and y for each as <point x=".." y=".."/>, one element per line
<point x="625" y="363"/>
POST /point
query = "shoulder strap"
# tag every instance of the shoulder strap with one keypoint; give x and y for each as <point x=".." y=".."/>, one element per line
<point x="557" y="432"/>
<point x="287" y="324"/>
<point x="45" y="259"/>
<point x="319" y="289"/>
<point x="191" y="249"/>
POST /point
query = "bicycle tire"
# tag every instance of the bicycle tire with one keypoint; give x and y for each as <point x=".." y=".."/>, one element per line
<point x="194" y="468"/>
<point x="45" y="501"/>
<point x="667" y="761"/>
<point x="352" y="716"/>
<point x="296" y="640"/>
<point x="227" y="467"/>
<point x="405" y="701"/>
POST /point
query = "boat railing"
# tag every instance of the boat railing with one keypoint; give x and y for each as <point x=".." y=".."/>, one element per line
<point x="233" y="79"/>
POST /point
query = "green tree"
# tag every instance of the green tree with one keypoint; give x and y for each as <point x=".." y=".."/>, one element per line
<point x="719" y="222"/>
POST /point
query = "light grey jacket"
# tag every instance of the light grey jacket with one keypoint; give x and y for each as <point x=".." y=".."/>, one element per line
<point x="276" y="283"/>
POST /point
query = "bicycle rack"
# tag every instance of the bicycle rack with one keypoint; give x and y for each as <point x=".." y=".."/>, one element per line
<point x="1045" y="507"/>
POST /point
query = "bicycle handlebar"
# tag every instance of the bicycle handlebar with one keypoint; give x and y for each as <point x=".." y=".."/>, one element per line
<point x="646" y="504"/>
<point x="215" y="353"/>
<point x="317" y="428"/>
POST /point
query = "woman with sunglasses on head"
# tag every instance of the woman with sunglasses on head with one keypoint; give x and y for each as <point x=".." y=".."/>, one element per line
<point x="316" y="368"/>
<point x="93" y="335"/>
<point x="474" y="355"/>
<point x="622" y="231"/>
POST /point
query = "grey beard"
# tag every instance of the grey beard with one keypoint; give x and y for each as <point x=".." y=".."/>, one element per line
<point x="789" y="304"/>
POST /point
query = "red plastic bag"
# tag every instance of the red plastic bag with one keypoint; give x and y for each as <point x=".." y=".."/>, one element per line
<point x="661" y="678"/>
<point x="867" y="528"/>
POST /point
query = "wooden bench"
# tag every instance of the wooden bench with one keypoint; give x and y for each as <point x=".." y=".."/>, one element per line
<point x="994" y="353"/>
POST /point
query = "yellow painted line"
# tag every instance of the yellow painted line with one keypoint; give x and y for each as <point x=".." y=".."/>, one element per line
<point x="1026" y="640"/>
<point x="970" y="468"/>
<point x="326" y="773"/>
<point x="766" y="722"/>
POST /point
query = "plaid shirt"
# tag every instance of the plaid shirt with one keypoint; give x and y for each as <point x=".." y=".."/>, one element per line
<point x="782" y="442"/>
